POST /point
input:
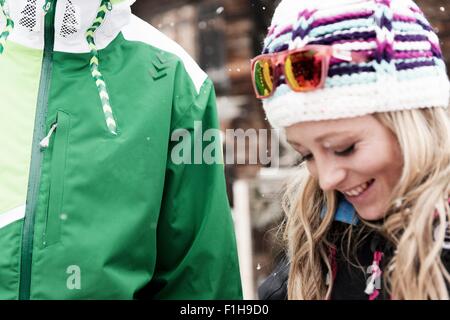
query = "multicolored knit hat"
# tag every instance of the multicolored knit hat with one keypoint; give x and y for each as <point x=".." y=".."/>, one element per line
<point x="404" y="67"/>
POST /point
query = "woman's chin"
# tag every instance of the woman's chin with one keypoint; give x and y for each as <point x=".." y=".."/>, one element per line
<point x="370" y="213"/>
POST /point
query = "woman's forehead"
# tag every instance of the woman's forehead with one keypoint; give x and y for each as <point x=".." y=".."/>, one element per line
<point x="321" y="130"/>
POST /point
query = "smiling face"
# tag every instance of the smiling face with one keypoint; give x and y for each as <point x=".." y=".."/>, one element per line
<point x="358" y="157"/>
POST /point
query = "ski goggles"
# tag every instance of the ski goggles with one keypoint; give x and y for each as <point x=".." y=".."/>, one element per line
<point x="303" y="69"/>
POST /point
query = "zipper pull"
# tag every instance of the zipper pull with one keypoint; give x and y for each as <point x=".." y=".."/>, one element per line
<point x="46" y="141"/>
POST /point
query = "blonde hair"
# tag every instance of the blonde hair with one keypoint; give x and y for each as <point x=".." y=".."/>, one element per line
<point x="418" y="207"/>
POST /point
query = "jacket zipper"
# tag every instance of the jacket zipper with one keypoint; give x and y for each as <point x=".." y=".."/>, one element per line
<point x="36" y="154"/>
<point x="58" y="163"/>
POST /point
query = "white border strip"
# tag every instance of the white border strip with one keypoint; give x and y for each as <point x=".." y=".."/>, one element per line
<point x="139" y="30"/>
<point x="12" y="216"/>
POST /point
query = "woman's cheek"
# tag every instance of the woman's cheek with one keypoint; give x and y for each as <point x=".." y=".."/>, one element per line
<point x="374" y="159"/>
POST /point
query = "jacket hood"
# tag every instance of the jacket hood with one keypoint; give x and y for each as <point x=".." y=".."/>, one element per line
<point x="72" y="20"/>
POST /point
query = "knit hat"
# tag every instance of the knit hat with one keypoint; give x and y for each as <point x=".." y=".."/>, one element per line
<point x="404" y="68"/>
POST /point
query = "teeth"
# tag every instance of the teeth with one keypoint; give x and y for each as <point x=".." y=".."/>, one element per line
<point x="358" y="190"/>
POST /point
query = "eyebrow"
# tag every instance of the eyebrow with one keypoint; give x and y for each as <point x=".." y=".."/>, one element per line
<point x="336" y="134"/>
<point x="323" y="137"/>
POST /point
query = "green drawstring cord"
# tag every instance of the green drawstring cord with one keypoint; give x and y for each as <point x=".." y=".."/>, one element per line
<point x="9" y="26"/>
<point x="47" y="5"/>
<point x="105" y="6"/>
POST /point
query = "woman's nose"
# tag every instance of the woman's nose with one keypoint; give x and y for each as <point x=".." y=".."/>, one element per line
<point x="330" y="175"/>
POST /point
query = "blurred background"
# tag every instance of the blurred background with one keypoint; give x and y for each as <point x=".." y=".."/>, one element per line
<point x="222" y="36"/>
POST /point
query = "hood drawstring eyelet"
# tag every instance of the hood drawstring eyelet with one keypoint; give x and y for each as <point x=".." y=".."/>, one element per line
<point x="9" y="25"/>
<point x="105" y="6"/>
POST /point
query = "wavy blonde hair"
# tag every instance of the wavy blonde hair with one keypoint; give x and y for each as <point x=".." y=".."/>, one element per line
<point x="418" y="207"/>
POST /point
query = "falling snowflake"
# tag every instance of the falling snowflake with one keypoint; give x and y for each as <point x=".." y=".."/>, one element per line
<point x="220" y="10"/>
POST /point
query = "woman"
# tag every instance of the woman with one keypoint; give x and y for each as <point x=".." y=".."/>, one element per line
<point x="361" y="90"/>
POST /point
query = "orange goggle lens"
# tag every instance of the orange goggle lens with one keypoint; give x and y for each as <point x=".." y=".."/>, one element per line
<point x="303" y="70"/>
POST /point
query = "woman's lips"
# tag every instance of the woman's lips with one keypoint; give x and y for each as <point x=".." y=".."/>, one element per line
<point x="359" y="193"/>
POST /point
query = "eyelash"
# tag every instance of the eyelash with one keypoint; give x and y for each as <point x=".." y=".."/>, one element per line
<point x="343" y="153"/>
<point x="308" y="157"/>
<point x="346" y="152"/>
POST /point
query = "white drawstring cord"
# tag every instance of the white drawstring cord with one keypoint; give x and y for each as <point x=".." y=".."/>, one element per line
<point x="46" y="141"/>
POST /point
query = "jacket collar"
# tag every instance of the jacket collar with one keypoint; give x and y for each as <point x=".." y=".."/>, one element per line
<point x="345" y="212"/>
<point x="73" y="18"/>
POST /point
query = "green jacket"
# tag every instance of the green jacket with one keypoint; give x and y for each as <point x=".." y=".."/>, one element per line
<point x="97" y="210"/>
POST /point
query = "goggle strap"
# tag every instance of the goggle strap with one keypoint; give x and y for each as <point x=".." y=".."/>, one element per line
<point x="342" y="54"/>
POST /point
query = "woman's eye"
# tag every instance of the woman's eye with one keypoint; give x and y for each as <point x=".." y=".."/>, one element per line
<point x="346" y="152"/>
<point x="343" y="153"/>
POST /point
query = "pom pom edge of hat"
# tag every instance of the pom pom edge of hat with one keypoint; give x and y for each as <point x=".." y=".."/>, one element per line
<point x="358" y="93"/>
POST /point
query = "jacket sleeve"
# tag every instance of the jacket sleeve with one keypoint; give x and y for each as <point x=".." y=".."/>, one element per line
<point x="196" y="247"/>
<point x="274" y="287"/>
